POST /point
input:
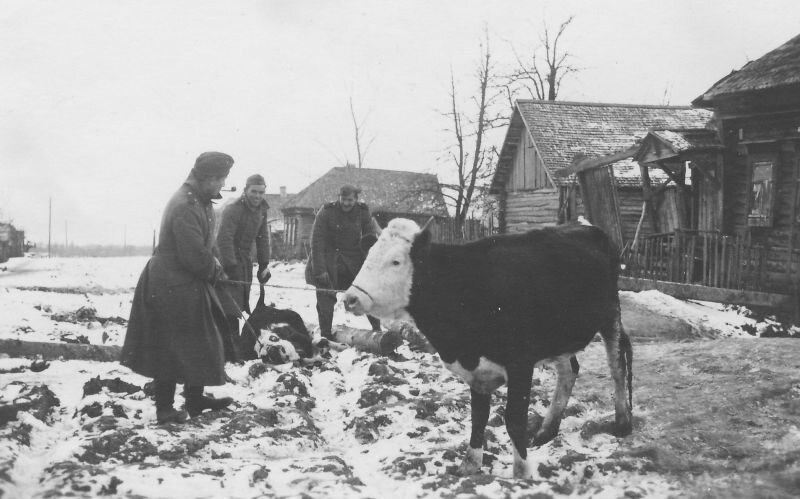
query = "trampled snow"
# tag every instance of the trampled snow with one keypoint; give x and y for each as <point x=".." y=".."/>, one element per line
<point x="335" y="430"/>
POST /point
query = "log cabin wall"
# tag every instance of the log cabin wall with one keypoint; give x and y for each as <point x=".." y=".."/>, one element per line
<point x="757" y="140"/>
<point x="527" y="210"/>
<point x="529" y="200"/>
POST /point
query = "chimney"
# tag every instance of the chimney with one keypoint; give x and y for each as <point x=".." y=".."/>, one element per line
<point x="283" y="191"/>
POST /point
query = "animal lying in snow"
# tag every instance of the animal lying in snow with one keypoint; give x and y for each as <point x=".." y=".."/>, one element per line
<point x="495" y="308"/>
<point x="282" y="336"/>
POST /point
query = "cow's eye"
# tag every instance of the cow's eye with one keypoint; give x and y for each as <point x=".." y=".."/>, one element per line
<point x="395" y="262"/>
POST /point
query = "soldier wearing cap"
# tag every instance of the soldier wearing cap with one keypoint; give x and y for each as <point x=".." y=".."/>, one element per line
<point x="174" y="330"/>
<point x="336" y="255"/>
<point x="244" y="225"/>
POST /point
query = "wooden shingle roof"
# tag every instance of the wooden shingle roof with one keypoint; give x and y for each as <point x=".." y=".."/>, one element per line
<point x="777" y="68"/>
<point x="686" y="140"/>
<point x="392" y="191"/>
<point x="563" y="130"/>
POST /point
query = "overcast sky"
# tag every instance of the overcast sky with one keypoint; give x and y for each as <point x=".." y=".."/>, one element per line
<point x="104" y="104"/>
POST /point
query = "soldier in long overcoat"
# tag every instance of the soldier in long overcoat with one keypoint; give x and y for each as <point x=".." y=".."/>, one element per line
<point x="244" y="223"/>
<point x="336" y="255"/>
<point x="174" y="329"/>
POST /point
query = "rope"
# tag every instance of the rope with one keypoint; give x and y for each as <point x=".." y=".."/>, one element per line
<point x="241" y="316"/>
<point x="245" y="283"/>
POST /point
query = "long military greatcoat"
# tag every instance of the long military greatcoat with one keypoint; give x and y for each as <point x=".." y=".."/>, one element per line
<point x="335" y="238"/>
<point x="176" y="318"/>
<point x="241" y="226"/>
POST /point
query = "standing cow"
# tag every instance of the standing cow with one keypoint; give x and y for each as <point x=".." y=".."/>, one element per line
<point x="495" y="308"/>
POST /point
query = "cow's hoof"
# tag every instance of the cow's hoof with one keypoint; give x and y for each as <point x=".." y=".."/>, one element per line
<point x="472" y="462"/>
<point x="623" y="426"/>
<point x="522" y="469"/>
<point x="544" y="435"/>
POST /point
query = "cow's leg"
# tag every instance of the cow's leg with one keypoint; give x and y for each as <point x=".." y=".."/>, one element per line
<point x="620" y="362"/>
<point x="566" y="367"/>
<point x="519" y="398"/>
<point x="480" y="403"/>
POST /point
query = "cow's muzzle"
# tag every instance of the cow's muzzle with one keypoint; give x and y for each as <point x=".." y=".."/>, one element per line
<point x="357" y="301"/>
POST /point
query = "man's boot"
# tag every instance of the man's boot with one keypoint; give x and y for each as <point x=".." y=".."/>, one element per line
<point x="165" y="398"/>
<point x="325" y="304"/>
<point x="196" y="402"/>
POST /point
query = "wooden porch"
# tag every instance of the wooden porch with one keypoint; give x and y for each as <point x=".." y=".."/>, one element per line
<point x="706" y="265"/>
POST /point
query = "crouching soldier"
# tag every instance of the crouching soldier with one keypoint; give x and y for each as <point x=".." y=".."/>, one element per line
<point x="174" y="331"/>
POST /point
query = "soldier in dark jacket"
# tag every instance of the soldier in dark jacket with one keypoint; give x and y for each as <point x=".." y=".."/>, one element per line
<point x="174" y="328"/>
<point x="336" y="255"/>
<point x="244" y="223"/>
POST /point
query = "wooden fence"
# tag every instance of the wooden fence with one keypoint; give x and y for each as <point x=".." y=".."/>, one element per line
<point x="698" y="257"/>
<point x="445" y="230"/>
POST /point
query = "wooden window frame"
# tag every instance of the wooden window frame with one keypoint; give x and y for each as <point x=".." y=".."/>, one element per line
<point x="762" y="170"/>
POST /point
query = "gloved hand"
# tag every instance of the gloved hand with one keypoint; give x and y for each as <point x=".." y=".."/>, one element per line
<point x="219" y="273"/>
<point x="323" y="280"/>
<point x="263" y="274"/>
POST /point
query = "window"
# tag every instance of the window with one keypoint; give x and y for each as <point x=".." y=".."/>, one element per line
<point x="761" y="194"/>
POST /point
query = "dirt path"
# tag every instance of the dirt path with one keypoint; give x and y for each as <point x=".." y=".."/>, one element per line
<point x="722" y="417"/>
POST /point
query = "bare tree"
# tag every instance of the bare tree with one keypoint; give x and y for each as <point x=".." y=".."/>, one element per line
<point x="542" y="74"/>
<point x="360" y="136"/>
<point x="470" y="122"/>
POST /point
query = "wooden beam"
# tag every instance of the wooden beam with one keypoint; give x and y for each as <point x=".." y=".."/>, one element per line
<point x="707" y="293"/>
<point x="703" y="169"/>
<point x="580" y="164"/>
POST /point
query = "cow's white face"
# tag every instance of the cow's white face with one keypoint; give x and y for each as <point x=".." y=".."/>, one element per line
<point x="383" y="287"/>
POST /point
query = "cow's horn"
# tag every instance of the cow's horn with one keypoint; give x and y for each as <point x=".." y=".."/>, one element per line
<point x="427" y="224"/>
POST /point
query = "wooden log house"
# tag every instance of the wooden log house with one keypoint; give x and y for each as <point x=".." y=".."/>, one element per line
<point x="732" y="232"/>
<point x="545" y="137"/>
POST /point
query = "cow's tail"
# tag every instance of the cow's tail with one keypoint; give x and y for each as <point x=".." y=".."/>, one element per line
<point x="626" y="359"/>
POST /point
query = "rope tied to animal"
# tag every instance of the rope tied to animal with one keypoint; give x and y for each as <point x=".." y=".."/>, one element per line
<point x="280" y="286"/>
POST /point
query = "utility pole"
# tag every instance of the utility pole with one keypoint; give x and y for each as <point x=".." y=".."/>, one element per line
<point x="49" y="223"/>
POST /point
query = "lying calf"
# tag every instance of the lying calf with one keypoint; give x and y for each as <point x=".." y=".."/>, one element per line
<point x="282" y="336"/>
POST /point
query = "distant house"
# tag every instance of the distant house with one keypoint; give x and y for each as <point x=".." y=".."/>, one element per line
<point x="389" y="194"/>
<point x="276" y="203"/>
<point x="545" y="137"/>
<point x="12" y="242"/>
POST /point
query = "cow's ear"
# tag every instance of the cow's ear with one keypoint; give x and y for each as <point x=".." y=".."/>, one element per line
<point x="367" y="241"/>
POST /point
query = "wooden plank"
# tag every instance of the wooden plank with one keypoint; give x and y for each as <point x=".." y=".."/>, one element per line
<point x="707" y="293"/>
<point x="57" y="350"/>
<point x="584" y="163"/>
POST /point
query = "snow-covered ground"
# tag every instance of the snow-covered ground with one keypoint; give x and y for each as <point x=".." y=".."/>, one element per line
<point x="358" y="426"/>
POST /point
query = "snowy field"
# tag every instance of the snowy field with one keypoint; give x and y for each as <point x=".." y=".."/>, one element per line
<point x="358" y="426"/>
